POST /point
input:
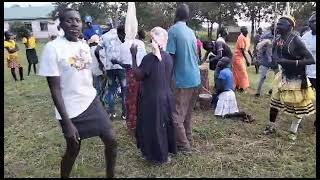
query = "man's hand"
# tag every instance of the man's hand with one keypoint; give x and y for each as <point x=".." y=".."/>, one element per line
<point x="134" y="49"/>
<point x="71" y="132"/>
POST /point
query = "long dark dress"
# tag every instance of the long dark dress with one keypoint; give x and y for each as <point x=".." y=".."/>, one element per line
<point x="155" y="132"/>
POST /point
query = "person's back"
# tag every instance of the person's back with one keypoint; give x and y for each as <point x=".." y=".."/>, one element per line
<point x="184" y="48"/>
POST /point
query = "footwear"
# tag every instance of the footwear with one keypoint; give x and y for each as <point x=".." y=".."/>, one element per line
<point x="270" y="92"/>
<point x="124" y="117"/>
<point x="292" y="136"/>
<point x="270" y="129"/>
<point x="113" y="115"/>
<point x="257" y="95"/>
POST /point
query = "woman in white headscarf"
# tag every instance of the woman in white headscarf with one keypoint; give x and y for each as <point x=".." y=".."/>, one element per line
<point x="155" y="132"/>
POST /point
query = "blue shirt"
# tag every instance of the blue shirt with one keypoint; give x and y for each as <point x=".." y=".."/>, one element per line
<point x="226" y="75"/>
<point x="182" y="43"/>
<point x="95" y="29"/>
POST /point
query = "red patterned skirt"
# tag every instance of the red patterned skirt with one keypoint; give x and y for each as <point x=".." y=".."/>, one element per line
<point x="13" y="62"/>
<point x="132" y="100"/>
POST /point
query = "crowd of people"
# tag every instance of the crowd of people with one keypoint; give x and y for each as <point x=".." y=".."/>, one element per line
<point x="159" y="90"/>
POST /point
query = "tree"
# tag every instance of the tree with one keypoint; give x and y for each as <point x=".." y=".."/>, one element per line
<point x="302" y="11"/>
<point x="19" y="29"/>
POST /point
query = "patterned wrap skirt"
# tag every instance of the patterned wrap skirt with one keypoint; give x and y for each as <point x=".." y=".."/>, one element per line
<point x="132" y="99"/>
<point x="13" y="61"/>
<point x="288" y="96"/>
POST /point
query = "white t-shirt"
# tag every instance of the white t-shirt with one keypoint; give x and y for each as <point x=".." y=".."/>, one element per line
<point x="310" y="42"/>
<point x="70" y="61"/>
<point x="111" y="44"/>
<point x="125" y="54"/>
<point x="95" y="64"/>
<point x="221" y="39"/>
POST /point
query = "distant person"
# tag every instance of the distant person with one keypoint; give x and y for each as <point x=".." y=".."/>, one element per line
<point x="199" y="47"/>
<point x="183" y="49"/>
<point x="220" y="49"/>
<point x="240" y="75"/>
<point x="13" y="58"/>
<point x="257" y="39"/>
<point x="91" y="29"/>
<point x="65" y="63"/>
<point x="30" y="42"/>
<point x="222" y="33"/>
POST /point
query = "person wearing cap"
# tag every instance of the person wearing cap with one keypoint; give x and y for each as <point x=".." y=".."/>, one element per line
<point x="96" y="71"/>
<point x="91" y="29"/>
<point x="291" y="89"/>
<point x="13" y="58"/>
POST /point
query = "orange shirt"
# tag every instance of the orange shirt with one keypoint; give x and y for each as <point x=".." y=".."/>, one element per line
<point x="242" y="43"/>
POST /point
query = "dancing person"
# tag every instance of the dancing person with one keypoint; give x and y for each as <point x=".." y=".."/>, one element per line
<point x="65" y="63"/>
<point x="13" y="59"/>
<point x="291" y="90"/>
<point x="91" y="29"/>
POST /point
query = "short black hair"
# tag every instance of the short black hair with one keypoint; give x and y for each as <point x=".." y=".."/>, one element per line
<point x="243" y="28"/>
<point x="63" y="12"/>
<point x="141" y="34"/>
<point x="121" y="29"/>
<point x="7" y="34"/>
<point x="182" y="13"/>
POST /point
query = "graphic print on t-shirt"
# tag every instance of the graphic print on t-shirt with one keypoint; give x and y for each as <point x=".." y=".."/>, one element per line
<point x="80" y="61"/>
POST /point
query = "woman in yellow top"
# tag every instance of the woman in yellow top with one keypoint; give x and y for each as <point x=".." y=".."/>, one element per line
<point x="12" y="59"/>
<point x="30" y="42"/>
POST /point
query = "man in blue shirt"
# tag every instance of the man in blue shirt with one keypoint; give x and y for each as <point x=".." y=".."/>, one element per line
<point x="182" y="47"/>
<point x="92" y="29"/>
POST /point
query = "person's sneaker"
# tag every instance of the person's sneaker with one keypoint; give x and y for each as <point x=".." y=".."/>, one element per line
<point x="124" y="117"/>
<point x="270" y="92"/>
<point x="292" y="136"/>
<point x="270" y="129"/>
<point x="257" y="95"/>
<point x="113" y="115"/>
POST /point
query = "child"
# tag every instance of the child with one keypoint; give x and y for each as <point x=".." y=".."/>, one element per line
<point x="30" y="42"/>
<point x="12" y="59"/>
<point x="224" y="101"/>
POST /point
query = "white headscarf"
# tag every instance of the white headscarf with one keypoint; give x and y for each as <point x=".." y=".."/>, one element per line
<point x="159" y="38"/>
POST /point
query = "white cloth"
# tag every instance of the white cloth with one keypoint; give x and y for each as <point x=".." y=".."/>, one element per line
<point x="94" y="66"/>
<point x="310" y="42"/>
<point x="111" y="44"/>
<point x="131" y="23"/>
<point x="125" y="54"/>
<point x="227" y="104"/>
<point x="221" y="39"/>
<point x="70" y="61"/>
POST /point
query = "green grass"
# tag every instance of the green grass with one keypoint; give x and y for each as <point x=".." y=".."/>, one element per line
<point x="34" y="144"/>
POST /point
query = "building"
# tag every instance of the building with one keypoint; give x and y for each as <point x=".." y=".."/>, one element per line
<point x="37" y="19"/>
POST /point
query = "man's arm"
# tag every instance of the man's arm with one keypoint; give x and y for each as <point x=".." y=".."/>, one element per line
<point x="70" y="129"/>
<point x="245" y="57"/>
<point x="137" y="72"/>
<point x="97" y="54"/>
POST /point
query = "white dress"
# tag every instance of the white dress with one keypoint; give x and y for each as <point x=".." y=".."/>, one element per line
<point x="227" y="104"/>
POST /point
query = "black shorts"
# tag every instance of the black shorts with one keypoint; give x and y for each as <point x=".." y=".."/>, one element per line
<point x="92" y="122"/>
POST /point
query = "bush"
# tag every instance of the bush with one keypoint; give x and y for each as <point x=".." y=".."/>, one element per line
<point x="19" y="29"/>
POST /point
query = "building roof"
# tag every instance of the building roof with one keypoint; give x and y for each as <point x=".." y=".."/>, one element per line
<point x="27" y="13"/>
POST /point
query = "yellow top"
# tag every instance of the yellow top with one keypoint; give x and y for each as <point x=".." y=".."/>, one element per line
<point x="32" y="42"/>
<point x="11" y="44"/>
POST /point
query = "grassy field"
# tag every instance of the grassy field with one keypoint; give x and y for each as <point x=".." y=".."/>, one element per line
<point x="34" y="144"/>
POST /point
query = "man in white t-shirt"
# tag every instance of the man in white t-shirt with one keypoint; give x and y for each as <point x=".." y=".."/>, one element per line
<point x="309" y="38"/>
<point x="111" y="43"/>
<point x="133" y="85"/>
<point x="65" y="62"/>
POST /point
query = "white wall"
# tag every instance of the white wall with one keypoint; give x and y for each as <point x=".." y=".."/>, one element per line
<point x="52" y="27"/>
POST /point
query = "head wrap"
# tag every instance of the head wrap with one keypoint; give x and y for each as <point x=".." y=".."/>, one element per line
<point x="159" y="38"/>
<point x="291" y="20"/>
